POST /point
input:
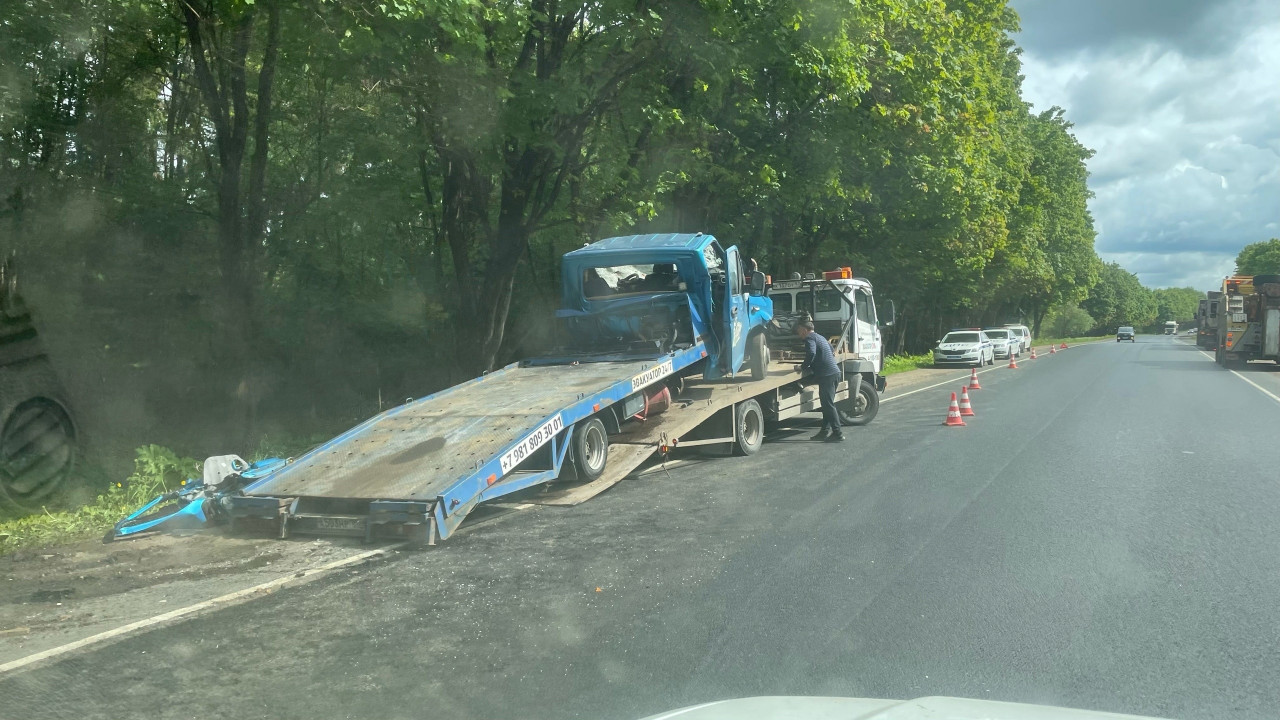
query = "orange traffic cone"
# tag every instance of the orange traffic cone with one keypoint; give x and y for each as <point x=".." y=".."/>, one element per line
<point x="1053" y="350"/>
<point x="973" y="379"/>
<point x="953" y="414"/>
<point x="1064" y="346"/>
<point x="1033" y="353"/>
<point x="1013" y="362"/>
<point x="966" y="410"/>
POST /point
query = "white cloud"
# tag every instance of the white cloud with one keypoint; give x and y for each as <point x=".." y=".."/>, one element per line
<point x="1187" y="169"/>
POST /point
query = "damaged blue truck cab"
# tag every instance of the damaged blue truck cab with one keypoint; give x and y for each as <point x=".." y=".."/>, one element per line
<point x="647" y="293"/>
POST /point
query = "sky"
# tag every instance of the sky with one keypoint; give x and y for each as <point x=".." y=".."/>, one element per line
<point x="1180" y="99"/>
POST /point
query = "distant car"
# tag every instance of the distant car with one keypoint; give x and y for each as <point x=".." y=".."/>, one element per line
<point x="964" y="347"/>
<point x="1125" y="333"/>
<point x="1024" y="336"/>
<point x="1191" y="331"/>
<point x="1004" y="342"/>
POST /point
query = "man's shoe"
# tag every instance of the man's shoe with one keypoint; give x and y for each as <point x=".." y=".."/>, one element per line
<point x="822" y="435"/>
<point x="838" y="437"/>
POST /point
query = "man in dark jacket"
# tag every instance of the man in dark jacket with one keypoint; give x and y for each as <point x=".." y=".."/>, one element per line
<point x="820" y="362"/>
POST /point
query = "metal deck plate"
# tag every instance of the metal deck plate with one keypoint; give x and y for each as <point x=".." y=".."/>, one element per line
<point x="416" y="451"/>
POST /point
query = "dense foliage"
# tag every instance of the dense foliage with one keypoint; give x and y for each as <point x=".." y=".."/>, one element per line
<point x="242" y="217"/>
<point x="1260" y="258"/>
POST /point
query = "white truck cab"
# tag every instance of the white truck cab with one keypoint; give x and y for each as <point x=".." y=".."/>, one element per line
<point x="830" y="313"/>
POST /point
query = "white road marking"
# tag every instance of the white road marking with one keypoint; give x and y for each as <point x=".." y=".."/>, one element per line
<point x="1261" y="389"/>
<point x="930" y="387"/>
<point x="233" y="598"/>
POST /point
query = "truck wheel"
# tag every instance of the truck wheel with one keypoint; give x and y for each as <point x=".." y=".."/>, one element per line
<point x="590" y="448"/>
<point x="759" y="356"/>
<point x="748" y="428"/>
<point x="1217" y="355"/>
<point x="861" y="408"/>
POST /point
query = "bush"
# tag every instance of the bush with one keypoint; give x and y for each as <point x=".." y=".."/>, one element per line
<point x="156" y="470"/>
<point x="1066" y="321"/>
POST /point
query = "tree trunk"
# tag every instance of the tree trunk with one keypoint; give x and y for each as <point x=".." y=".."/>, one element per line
<point x="220" y="69"/>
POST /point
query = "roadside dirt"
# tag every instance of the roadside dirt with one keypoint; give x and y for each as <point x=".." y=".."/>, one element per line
<point x="60" y="594"/>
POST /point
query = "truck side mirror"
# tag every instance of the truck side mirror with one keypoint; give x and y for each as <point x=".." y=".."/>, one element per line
<point x="757" y="283"/>
<point x="893" y="315"/>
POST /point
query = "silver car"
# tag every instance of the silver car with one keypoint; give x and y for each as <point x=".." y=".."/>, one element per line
<point x="1005" y="343"/>
<point x="964" y="347"/>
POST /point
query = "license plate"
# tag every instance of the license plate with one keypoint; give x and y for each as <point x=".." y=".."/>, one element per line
<point x="339" y="523"/>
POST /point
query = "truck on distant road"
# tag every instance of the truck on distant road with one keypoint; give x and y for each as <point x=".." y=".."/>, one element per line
<point x="1171" y="327"/>
<point x="665" y="342"/>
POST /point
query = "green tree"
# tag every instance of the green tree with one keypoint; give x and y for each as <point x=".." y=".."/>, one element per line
<point x="1260" y="258"/>
<point x="1120" y="299"/>
<point x="1178" y="304"/>
<point x="1064" y="321"/>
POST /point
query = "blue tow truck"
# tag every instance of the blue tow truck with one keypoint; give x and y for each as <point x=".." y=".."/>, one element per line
<point x="664" y="343"/>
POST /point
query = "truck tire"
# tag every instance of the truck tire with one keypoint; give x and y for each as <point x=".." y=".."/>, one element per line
<point x="759" y="360"/>
<point x="589" y="448"/>
<point x="861" y="409"/>
<point x="748" y="428"/>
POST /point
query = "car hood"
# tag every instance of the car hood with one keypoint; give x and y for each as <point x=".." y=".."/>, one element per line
<point x="958" y="346"/>
<point x="836" y="708"/>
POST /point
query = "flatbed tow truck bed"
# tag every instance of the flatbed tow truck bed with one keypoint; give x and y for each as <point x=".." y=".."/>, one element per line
<point x="417" y="470"/>
<point x="697" y="408"/>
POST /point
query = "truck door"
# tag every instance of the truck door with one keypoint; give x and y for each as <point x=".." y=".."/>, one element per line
<point x="869" y="344"/>
<point x="734" y="328"/>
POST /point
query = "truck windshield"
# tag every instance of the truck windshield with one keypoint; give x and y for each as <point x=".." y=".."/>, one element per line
<point x="613" y="280"/>
<point x="829" y="301"/>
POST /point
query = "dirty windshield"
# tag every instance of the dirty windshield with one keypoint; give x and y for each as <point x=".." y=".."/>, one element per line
<point x="555" y="359"/>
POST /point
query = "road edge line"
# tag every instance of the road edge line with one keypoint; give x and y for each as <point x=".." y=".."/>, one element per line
<point x="222" y="601"/>
<point x="1256" y="386"/>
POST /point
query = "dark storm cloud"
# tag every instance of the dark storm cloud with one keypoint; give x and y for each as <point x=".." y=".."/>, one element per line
<point x="1183" y="110"/>
<point x="1195" y="27"/>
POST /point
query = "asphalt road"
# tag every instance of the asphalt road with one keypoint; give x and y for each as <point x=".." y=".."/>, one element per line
<point x="1103" y="535"/>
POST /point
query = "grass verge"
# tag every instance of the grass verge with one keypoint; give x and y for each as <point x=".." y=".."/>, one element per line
<point x="156" y="470"/>
<point x="1069" y="341"/>
<point x="895" y="364"/>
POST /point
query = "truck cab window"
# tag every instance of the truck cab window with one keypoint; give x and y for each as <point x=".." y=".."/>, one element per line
<point x="829" y="301"/>
<point x="866" y="311"/>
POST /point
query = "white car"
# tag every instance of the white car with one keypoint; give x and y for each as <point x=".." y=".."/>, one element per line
<point x="1023" y="333"/>
<point x="965" y="347"/>
<point x="1004" y="342"/>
